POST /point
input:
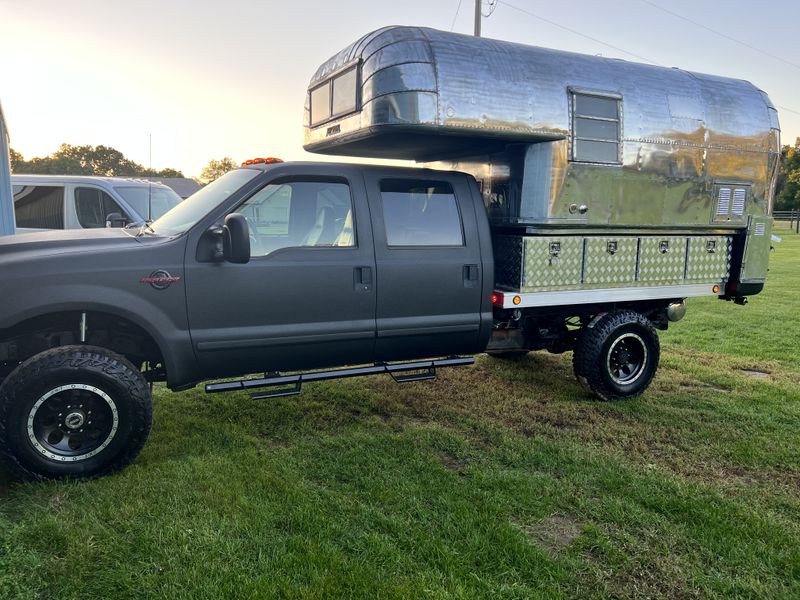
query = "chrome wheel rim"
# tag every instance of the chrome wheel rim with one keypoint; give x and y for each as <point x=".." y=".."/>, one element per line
<point x="626" y="359"/>
<point x="72" y="422"/>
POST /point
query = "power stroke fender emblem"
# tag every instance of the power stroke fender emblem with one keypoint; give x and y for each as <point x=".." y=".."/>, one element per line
<point x="160" y="280"/>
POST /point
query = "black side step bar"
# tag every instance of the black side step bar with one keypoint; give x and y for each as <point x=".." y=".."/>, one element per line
<point x="291" y="384"/>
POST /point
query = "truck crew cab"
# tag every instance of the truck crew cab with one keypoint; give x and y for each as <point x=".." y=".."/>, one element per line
<point x="523" y="237"/>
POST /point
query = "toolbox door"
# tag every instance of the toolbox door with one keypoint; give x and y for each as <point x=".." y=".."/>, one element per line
<point x="428" y="261"/>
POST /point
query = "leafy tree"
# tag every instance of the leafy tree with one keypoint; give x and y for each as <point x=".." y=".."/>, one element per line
<point x="787" y="194"/>
<point x="217" y="168"/>
<point x="85" y="160"/>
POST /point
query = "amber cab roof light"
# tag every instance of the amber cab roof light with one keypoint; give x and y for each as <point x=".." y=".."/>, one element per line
<point x="262" y="161"/>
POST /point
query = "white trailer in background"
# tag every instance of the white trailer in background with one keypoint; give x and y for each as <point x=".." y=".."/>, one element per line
<point x="6" y="200"/>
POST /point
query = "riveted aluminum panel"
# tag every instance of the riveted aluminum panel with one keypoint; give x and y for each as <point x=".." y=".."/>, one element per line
<point x="552" y="263"/>
<point x="709" y="259"/>
<point x="610" y="261"/>
<point x="756" y="250"/>
<point x="662" y="260"/>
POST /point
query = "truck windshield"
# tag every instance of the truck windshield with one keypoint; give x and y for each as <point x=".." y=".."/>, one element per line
<point x="199" y="204"/>
<point x="149" y="202"/>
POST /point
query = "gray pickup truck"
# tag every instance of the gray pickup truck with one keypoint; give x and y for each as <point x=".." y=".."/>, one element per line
<point x="578" y="222"/>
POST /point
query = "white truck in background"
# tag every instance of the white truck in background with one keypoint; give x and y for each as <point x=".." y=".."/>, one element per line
<point x="52" y="202"/>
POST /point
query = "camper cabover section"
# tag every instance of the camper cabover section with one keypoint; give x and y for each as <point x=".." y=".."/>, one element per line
<point x="590" y="168"/>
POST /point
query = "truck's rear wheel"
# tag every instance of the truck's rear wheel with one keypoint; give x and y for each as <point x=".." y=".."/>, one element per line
<point x="75" y="411"/>
<point x="616" y="356"/>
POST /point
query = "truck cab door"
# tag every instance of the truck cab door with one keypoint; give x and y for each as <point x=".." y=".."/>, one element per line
<point x="430" y="273"/>
<point x="306" y="299"/>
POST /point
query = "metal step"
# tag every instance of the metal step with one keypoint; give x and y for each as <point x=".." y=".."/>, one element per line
<point x="291" y="385"/>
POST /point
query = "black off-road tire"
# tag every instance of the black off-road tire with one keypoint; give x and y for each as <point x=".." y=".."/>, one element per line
<point x="103" y="380"/>
<point x="596" y="360"/>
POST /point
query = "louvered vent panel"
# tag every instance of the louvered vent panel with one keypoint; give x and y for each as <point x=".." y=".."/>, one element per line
<point x="739" y="196"/>
<point x="761" y="228"/>
<point x="724" y="202"/>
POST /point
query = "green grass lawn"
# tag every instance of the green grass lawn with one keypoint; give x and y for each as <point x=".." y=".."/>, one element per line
<point x="503" y="480"/>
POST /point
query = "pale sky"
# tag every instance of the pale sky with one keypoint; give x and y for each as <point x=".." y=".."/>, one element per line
<point x="213" y="79"/>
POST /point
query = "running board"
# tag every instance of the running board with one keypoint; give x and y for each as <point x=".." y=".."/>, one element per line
<point x="291" y="385"/>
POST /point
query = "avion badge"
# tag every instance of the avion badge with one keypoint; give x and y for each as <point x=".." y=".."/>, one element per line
<point x="160" y="280"/>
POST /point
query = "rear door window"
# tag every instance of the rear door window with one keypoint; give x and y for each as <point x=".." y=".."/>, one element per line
<point x="39" y="206"/>
<point x="419" y="212"/>
<point x="93" y="207"/>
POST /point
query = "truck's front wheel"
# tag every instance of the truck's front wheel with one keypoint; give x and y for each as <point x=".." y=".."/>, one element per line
<point x="75" y="411"/>
<point x="616" y="355"/>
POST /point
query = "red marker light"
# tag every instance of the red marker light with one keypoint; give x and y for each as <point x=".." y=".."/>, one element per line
<point x="497" y="299"/>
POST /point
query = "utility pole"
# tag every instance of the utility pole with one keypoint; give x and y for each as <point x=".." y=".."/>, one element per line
<point x="478" y="18"/>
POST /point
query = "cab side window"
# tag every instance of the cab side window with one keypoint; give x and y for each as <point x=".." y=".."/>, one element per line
<point x="39" y="206"/>
<point x="420" y="213"/>
<point x="299" y="214"/>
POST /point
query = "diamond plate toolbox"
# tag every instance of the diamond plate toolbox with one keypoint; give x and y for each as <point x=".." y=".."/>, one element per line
<point x="709" y="259"/>
<point x="552" y="263"/>
<point x="610" y="261"/>
<point x="662" y="260"/>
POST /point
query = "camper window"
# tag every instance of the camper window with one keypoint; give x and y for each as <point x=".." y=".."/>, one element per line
<point x="336" y="97"/>
<point x="595" y="129"/>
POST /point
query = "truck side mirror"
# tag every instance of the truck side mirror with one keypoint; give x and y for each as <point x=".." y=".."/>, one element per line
<point x="236" y="239"/>
<point x="116" y="219"/>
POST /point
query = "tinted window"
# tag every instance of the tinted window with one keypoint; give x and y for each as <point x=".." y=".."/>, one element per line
<point x="595" y="129"/>
<point x="39" y="207"/>
<point x="93" y="207"/>
<point x="299" y="214"/>
<point x="420" y="213"/>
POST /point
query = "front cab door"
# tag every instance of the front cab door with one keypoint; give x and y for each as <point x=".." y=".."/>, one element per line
<point x="307" y="297"/>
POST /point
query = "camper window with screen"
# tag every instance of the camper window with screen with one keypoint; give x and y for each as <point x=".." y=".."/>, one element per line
<point x="595" y="128"/>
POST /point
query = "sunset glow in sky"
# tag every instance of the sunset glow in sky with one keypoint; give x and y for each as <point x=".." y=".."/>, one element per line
<point x="213" y="79"/>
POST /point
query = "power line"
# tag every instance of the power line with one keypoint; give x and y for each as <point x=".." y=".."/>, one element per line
<point x="455" y="16"/>
<point x="565" y="28"/>
<point x="618" y="49"/>
<point x="721" y="34"/>
<point x="791" y="110"/>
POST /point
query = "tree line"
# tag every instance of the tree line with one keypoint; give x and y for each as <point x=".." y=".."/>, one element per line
<point x="104" y="161"/>
<point x="787" y="194"/>
<point x="101" y="160"/>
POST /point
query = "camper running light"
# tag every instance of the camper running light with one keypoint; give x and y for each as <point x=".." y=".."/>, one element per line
<point x="497" y="299"/>
<point x="262" y="161"/>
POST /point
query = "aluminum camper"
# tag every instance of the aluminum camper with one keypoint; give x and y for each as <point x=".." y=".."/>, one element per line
<point x="630" y="180"/>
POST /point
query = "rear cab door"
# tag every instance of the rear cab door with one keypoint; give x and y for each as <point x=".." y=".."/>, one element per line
<point x="432" y="272"/>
